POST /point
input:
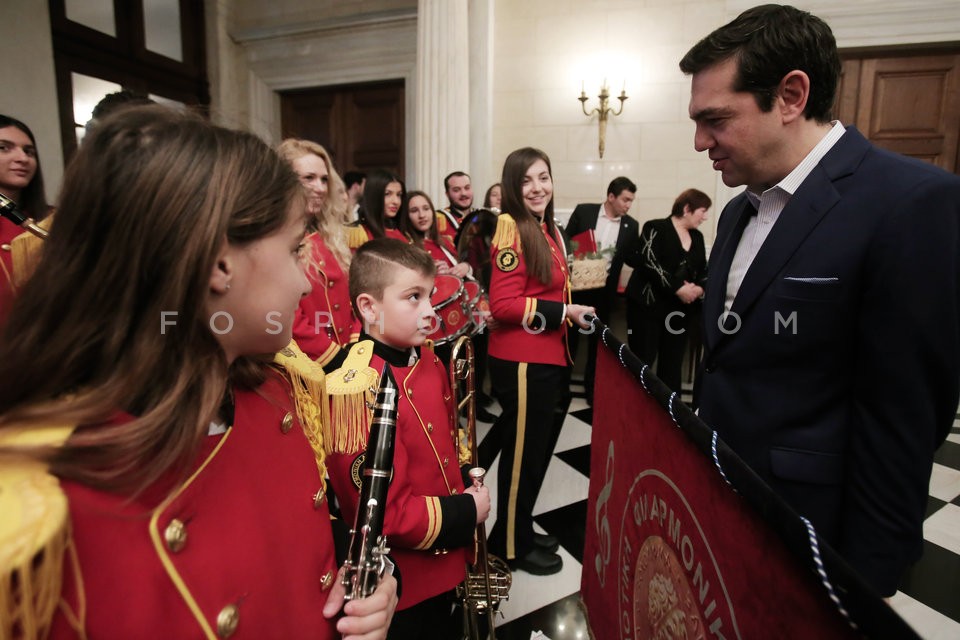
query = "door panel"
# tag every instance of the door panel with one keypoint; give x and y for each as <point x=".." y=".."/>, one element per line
<point x="909" y="104"/>
<point x="361" y="125"/>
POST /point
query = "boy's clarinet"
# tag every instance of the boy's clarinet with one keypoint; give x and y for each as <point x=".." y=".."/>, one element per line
<point x="368" y="546"/>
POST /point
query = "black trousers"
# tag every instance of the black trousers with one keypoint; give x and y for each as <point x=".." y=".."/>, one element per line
<point x="433" y="619"/>
<point x="602" y="301"/>
<point x="659" y="333"/>
<point x="534" y="398"/>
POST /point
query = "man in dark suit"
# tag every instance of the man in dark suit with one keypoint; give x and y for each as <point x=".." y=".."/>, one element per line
<point x="832" y="314"/>
<point x="612" y="227"/>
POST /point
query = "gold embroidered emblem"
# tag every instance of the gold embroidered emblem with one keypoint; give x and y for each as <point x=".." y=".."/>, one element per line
<point x="507" y="260"/>
<point x="357" y="468"/>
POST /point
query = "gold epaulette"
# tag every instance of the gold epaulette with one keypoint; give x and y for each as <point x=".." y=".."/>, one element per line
<point x="26" y="250"/>
<point x="34" y="534"/>
<point x="352" y="389"/>
<point x="441" y="222"/>
<point x="356" y="236"/>
<point x="506" y="234"/>
<point x="307" y="382"/>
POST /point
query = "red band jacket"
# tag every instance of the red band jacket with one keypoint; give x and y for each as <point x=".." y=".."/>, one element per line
<point x="241" y="550"/>
<point x="531" y="314"/>
<point x="325" y="320"/>
<point x="429" y="521"/>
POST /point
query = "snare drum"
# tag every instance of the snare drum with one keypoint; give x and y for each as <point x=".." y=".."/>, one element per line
<point x="476" y="301"/>
<point x="453" y="317"/>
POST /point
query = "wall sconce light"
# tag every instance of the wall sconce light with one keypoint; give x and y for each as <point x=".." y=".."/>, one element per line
<point x="603" y="110"/>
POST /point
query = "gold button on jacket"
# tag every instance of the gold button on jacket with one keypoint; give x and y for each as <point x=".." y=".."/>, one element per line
<point x="227" y="620"/>
<point x="175" y="535"/>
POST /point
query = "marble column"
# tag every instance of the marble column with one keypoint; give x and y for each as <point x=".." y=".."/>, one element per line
<point x="443" y="94"/>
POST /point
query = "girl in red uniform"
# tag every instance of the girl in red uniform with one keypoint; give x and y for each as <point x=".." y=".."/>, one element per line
<point x="420" y="225"/>
<point x="144" y="352"/>
<point x="21" y="180"/>
<point x="528" y="359"/>
<point x="325" y="320"/>
<point x="384" y="205"/>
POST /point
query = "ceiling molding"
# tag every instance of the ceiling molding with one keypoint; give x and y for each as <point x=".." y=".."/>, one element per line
<point x="341" y="23"/>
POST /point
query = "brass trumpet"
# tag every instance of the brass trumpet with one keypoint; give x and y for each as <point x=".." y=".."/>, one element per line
<point x="488" y="580"/>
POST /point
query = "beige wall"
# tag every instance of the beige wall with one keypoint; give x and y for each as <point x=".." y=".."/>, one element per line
<point x="543" y="50"/>
<point x="28" y="90"/>
<point x="538" y="72"/>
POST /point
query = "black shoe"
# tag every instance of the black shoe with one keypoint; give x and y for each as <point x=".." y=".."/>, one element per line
<point x="539" y="563"/>
<point x="545" y="542"/>
<point x="485" y="416"/>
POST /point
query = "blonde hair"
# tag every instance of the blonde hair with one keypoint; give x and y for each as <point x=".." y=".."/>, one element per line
<point x="145" y="209"/>
<point x="331" y="220"/>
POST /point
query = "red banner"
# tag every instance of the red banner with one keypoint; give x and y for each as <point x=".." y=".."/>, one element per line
<point x="671" y="551"/>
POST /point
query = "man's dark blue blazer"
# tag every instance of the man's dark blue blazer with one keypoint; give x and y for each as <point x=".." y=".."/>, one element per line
<point x="839" y="377"/>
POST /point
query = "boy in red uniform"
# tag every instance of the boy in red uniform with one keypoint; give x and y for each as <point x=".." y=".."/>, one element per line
<point x="430" y="517"/>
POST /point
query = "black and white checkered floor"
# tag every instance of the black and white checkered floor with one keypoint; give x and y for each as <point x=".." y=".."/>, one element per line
<point x="930" y="596"/>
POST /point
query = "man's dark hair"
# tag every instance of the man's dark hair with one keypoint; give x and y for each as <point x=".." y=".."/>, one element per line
<point x="768" y="42"/>
<point x="112" y="101"/>
<point x="351" y="178"/>
<point x="454" y="174"/>
<point x="619" y="185"/>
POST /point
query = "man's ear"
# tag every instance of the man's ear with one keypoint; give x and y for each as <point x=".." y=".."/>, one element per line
<point x="793" y="93"/>
<point x="222" y="272"/>
<point x="367" y="305"/>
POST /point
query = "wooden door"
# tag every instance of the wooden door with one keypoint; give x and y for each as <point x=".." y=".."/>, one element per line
<point x="908" y="103"/>
<point x="361" y="125"/>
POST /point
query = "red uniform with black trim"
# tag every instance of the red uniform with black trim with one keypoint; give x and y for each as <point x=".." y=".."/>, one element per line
<point x="529" y="368"/>
<point x="442" y="251"/>
<point x="449" y="221"/>
<point x="325" y="320"/>
<point x="531" y="314"/>
<point x="429" y="521"/>
<point x="242" y="545"/>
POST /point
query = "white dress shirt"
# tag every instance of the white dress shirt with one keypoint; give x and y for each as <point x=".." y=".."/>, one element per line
<point x="769" y="205"/>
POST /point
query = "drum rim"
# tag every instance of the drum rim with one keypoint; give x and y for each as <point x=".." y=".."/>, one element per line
<point x="457" y="294"/>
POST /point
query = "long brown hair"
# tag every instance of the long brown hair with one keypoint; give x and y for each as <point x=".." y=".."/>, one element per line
<point x="536" y="250"/>
<point x="406" y="224"/>
<point x="33" y="198"/>
<point x="146" y="206"/>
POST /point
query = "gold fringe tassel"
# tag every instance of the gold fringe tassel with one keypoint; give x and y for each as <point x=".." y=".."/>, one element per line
<point x="356" y="236"/>
<point x="307" y="382"/>
<point x="352" y="389"/>
<point x="34" y="532"/>
<point x="506" y="234"/>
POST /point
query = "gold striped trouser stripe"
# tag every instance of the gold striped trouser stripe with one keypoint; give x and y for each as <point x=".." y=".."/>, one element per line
<point x="517" y="459"/>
